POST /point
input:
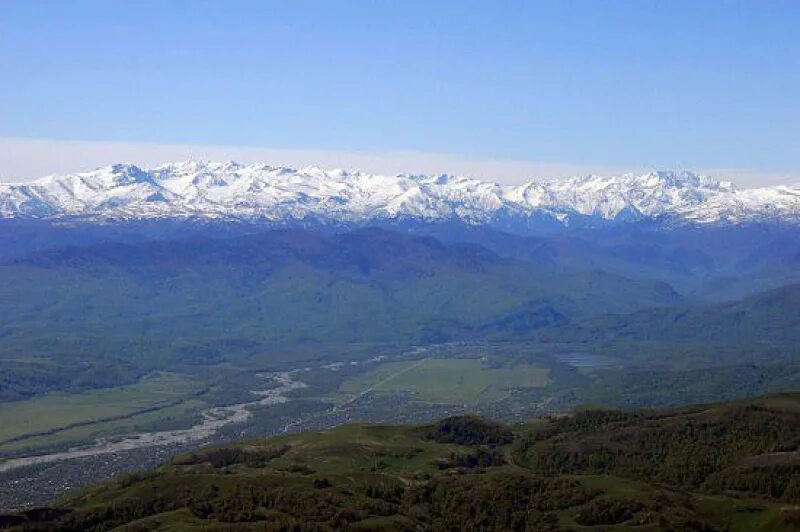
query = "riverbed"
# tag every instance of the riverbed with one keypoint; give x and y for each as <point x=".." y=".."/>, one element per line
<point x="213" y="419"/>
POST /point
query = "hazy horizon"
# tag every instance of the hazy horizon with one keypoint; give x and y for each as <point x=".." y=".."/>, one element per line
<point x="21" y="162"/>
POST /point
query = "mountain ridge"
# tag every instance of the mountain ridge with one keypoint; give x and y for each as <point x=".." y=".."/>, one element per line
<point x="279" y="195"/>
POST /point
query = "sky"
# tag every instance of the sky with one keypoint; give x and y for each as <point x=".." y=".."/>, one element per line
<point x="496" y="89"/>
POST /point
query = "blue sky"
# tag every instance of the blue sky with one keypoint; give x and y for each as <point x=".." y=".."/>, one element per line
<point x="606" y="85"/>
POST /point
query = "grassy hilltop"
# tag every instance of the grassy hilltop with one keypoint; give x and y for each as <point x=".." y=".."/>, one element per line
<point x="730" y="466"/>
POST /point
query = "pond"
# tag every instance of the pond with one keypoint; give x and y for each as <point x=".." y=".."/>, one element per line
<point x="586" y="360"/>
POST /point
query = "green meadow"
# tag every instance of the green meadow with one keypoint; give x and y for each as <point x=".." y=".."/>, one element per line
<point x="65" y="414"/>
<point x="449" y="380"/>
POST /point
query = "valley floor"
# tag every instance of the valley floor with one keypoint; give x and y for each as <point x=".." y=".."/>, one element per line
<point x="382" y="389"/>
<point x="511" y="382"/>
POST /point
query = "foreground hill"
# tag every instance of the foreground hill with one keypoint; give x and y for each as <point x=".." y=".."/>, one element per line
<point x="733" y="466"/>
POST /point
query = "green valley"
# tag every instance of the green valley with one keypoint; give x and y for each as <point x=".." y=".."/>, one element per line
<point x="451" y="381"/>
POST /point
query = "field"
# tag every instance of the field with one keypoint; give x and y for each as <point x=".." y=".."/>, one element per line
<point x="76" y="415"/>
<point x="450" y="380"/>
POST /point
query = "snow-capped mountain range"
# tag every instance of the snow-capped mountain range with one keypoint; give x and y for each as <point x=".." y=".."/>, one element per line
<point x="258" y="192"/>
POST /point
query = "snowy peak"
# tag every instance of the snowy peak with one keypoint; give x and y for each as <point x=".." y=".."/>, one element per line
<point x="650" y="194"/>
<point x="231" y="191"/>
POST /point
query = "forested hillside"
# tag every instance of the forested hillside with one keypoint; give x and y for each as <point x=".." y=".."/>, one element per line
<point x="732" y="466"/>
<point x="771" y="317"/>
<point x="115" y="311"/>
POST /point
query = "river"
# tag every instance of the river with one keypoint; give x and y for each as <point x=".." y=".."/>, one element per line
<point x="212" y="420"/>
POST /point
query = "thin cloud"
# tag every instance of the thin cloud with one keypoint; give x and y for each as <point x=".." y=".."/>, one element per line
<point x="23" y="160"/>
